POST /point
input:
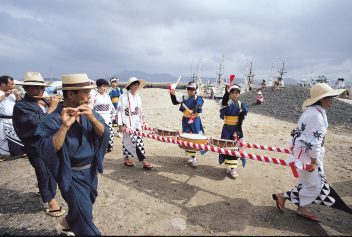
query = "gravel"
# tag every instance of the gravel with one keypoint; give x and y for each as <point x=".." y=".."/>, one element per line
<point x="286" y="104"/>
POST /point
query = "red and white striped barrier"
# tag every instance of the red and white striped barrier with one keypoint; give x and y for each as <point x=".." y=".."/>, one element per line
<point x="264" y="147"/>
<point x="146" y="127"/>
<point x="219" y="150"/>
<point x="247" y="145"/>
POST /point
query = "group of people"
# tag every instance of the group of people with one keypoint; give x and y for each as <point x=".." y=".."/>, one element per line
<point x="67" y="138"/>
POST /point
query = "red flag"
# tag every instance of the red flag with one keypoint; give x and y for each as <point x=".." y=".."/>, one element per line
<point x="169" y="87"/>
<point x="232" y="77"/>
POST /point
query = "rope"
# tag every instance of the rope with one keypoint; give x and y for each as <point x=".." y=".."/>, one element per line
<point x="247" y="145"/>
<point x="219" y="150"/>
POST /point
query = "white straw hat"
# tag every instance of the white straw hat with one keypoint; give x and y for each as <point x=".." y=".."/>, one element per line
<point x="320" y="91"/>
<point x="76" y="82"/>
<point x="134" y="79"/>
<point x="33" y="79"/>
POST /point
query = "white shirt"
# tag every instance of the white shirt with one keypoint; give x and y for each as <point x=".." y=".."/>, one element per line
<point x="7" y="104"/>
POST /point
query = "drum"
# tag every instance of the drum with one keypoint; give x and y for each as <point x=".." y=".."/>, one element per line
<point x="223" y="143"/>
<point x="166" y="133"/>
<point x="194" y="138"/>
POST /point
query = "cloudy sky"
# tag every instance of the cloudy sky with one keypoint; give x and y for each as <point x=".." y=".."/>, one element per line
<point x="101" y="38"/>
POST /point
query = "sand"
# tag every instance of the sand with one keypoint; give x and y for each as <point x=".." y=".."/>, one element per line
<point x="176" y="199"/>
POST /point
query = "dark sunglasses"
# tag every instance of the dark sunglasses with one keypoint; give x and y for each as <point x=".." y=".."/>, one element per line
<point x="190" y="89"/>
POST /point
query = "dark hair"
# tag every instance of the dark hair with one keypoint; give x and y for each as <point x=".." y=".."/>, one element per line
<point x="102" y="82"/>
<point x="5" y="79"/>
<point x="25" y="87"/>
<point x="129" y="87"/>
<point x="64" y="93"/>
<point x="317" y="103"/>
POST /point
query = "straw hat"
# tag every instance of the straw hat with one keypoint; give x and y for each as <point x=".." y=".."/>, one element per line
<point x="76" y="82"/>
<point x="134" y="79"/>
<point x="320" y="91"/>
<point x="33" y="79"/>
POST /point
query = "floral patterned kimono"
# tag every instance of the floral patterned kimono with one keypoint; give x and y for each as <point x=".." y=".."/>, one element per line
<point x="308" y="141"/>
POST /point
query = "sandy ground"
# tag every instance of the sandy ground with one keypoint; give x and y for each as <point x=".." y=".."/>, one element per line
<point x="175" y="199"/>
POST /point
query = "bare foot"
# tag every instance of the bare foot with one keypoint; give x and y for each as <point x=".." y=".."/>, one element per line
<point x="280" y="201"/>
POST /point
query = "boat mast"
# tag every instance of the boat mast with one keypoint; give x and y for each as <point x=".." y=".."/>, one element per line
<point x="250" y="78"/>
<point x="221" y="71"/>
<point x="282" y="70"/>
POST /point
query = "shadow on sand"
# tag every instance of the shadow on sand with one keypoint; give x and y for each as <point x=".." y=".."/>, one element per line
<point x="222" y="216"/>
<point x="13" y="201"/>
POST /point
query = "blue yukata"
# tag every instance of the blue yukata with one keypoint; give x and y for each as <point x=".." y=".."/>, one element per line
<point x="115" y="95"/>
<point x="75" y="166"/>
<point x="233" y="116"/>
<point x="195" y="104"/>
<point x="27" y="115"/>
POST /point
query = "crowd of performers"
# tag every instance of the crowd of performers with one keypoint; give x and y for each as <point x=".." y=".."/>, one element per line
<point x="66" y="139"/>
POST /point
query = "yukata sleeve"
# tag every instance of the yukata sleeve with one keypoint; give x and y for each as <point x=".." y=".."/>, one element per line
<point x="101" y="143"/>
<point x="244" y="108"/>
<point x="174" y="100"/>
<point x="120" y="110"/>
<point x="223" y="112"/>
<point x="45" y="131"/>
<point x="225" y="99"/>
<point x="112" y="110"/>
<point x="315" y="132"/>
<point x="25" y="121"/>
<point x="199" y="105"/>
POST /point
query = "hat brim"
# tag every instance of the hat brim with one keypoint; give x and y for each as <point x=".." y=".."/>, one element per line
<point x="141" y="83"/>
<point x="334" y="92"/>
<point x="76" y="88"/>
<point x="31" y="84"/>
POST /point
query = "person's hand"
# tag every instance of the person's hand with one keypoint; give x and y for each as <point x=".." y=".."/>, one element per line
<point x="122" y="129"/>
<point x="234" y="135"/>
<point x="68" y="116"/>
<point x="54" y="100"/>
<point x="15" y="92"/>
<point x="173" y="92"/>
<point x="313" y="165"/>
<point x="226" y="88"/>
<point x="87" y="111"/>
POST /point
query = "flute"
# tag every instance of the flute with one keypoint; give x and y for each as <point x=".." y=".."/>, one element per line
<point x="46" y="97"/>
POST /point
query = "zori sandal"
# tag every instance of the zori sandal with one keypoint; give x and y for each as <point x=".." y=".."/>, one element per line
<point x="55" y="213"/>
<point x="129" y="163"/>
<point x="147" y="166"/>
